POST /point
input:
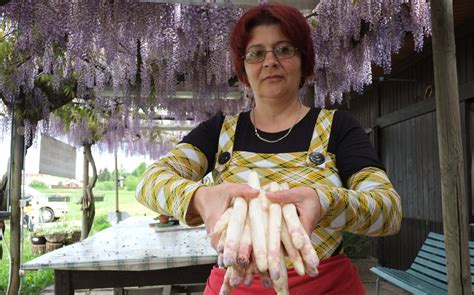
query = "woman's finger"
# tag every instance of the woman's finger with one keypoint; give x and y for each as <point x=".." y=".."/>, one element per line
<point x="244" y="191"/>
<point x="285" y="196"/>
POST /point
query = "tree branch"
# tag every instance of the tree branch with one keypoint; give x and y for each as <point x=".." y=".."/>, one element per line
<point x="4" y="37"/>
<point x="311" y="14"/>
<point x="88" y="204"/>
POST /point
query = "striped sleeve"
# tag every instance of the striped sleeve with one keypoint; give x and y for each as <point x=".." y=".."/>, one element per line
<point x="168" y="185"/>
<point x="370" y="206"/>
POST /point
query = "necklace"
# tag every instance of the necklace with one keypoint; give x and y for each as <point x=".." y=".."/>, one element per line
<point x="278" y="139"/>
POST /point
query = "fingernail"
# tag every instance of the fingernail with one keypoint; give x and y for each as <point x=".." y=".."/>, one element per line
<point x="220" y="261"/>
<point x="223" y="293"/>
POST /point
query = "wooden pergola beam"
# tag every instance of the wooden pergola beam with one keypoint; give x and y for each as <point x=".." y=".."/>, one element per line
<point x="455" y="220"/>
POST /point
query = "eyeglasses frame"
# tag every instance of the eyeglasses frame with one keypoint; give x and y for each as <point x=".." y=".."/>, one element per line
<point x="267" y="51"/>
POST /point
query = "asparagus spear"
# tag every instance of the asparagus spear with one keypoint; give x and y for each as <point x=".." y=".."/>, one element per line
<point x="245" y="246"/>
<point x="235" y="228"/>
<point x="293" y="253"/>
<point x="249" y="271"/>
<point x="226" y="288"/>
<point x="236" y="277"/>
<point x="221" y="224"/>
<point x="220" y="248"/>
<point x="310" y="257"/>
<point x="293" y="223"/>
<point x="274" y="241"/>
<point x="281" y="285"/>
<point x="257" y="227"/>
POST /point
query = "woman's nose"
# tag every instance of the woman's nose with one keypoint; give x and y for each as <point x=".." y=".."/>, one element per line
<point x="270" y="60"/>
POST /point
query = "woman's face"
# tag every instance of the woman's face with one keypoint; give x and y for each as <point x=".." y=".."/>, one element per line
<point x="272" y="78"/>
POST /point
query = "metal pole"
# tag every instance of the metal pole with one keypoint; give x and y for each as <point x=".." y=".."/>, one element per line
<point x="116" y="183"/>
<point x="85" y="183"/>
<point x="455" y="221"/>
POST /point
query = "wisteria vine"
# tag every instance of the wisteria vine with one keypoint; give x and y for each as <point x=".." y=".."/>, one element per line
<point x="350" y="36"/>
<point x="136" y="57"/>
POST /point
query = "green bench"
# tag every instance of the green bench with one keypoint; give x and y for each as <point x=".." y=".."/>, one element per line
<point x="427" y="274"/>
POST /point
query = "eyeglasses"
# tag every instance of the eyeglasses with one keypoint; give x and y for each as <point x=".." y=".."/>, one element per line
<point x="281" y="52"/>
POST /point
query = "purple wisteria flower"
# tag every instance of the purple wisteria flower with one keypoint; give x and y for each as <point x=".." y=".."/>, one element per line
<point x="132" y="59"/>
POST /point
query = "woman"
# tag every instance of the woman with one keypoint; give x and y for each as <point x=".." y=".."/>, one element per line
<point x="336" y="181"/>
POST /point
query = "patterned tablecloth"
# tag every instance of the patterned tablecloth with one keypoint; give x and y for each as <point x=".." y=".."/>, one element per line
<point x="131" y="245"/>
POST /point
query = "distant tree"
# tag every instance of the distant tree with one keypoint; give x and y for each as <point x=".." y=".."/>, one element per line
<point x="104" y="175"/>
<point x="123" y="172"/>
<point x="38" y="184"/>
<point x="139" y="170"/>
<point x="105" y="185"/>
<point x="131" y="183"/>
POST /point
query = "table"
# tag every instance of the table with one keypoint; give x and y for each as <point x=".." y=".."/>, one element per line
<point x="130" y="253"/>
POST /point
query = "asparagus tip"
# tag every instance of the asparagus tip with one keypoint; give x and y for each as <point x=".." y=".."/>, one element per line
<point x="234" y="281"/>
<point x="267" y="283"/>
<point x="274" y="274"/>
<point x="228" y="261"/>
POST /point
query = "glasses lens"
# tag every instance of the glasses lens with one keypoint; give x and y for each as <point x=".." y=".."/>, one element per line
<point x="254" y="56"/>
<point x="281" y="51"/>
<point x="284" y="51"/>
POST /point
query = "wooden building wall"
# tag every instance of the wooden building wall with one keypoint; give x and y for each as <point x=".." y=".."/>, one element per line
<point x="400" y="112"/>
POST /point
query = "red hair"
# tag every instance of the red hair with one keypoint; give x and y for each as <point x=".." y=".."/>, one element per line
<point x="293" y="24"/>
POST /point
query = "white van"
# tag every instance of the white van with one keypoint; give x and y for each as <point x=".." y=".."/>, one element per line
<point x="43" y="208"/>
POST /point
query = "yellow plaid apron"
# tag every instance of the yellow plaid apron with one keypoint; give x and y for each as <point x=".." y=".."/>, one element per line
<point x="294" y="168"/>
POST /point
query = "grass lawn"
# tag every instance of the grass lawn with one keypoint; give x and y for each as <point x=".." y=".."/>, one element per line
<point x="35" y="281"/>
<point x="127" y="202"/>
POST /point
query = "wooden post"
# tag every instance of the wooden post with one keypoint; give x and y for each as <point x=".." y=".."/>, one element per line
<point x="17" y="153"/>
<point x="455" y="221"/>
<point x="88" y="203"/>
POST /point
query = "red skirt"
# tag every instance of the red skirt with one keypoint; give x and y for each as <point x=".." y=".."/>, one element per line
<point x="337" y="275"/>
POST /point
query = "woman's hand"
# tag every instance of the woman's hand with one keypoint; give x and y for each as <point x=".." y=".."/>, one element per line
<point x="211" y="202"/>
<point x="307" y="204"/>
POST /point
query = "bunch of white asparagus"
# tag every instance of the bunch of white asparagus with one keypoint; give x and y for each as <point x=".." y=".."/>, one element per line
<point x="254" y="237"/>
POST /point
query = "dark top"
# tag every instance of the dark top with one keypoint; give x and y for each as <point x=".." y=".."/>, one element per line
<point x="347" y="140"/>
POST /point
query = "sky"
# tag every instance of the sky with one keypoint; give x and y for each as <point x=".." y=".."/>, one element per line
<point x="102" y="160"/>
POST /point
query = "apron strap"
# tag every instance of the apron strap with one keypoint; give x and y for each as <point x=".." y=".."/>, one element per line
<point x="317" y="152"/>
